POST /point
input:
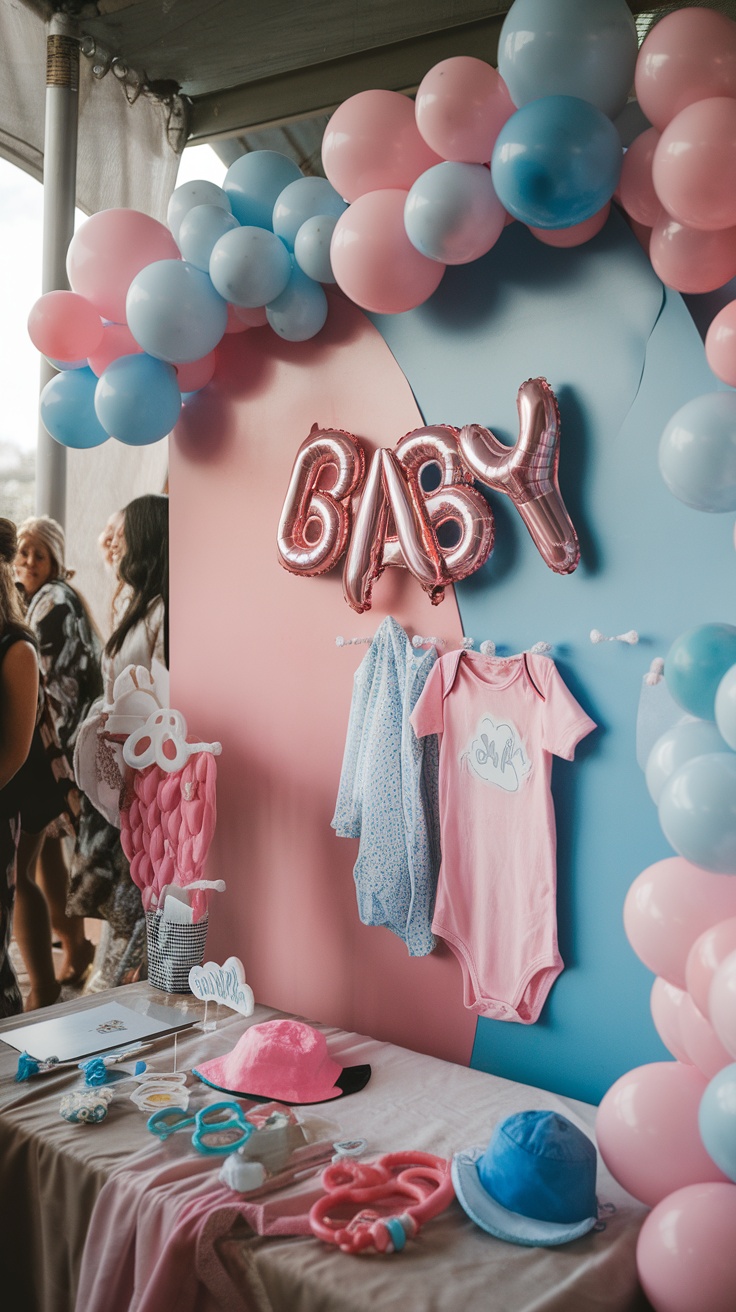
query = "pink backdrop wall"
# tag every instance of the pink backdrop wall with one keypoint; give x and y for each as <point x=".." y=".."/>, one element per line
<point x="255" y="665"/>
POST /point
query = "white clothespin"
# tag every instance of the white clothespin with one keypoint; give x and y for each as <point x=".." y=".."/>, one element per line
<point x="350" y="642"/>
<point x="632" y="637"/>
<point x="487" y="648"/>
<point x="419" y="641"/>
<point x="540" y="649"/>
<point x="656" y="672"/>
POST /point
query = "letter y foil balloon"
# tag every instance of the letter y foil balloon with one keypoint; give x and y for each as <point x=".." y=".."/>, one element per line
<point x="528" y="472"/>
<point x="315" y="520"/>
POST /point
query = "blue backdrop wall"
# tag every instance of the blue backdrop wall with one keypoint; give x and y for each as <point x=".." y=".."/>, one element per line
<point x="622" y="356"/>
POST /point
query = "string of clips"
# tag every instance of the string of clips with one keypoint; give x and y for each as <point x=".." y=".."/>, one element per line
<point x="488" y="647"/>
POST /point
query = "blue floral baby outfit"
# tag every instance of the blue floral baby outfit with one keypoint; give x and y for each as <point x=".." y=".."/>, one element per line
<point x="388" y="794"/>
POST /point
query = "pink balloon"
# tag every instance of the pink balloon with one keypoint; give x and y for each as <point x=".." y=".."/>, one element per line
<point x="373" y="260"/>
<point x="636" y="192"/>
<point x="694" y="167"/>
<point x="689" y="259"/>
<point x="704" y="958"/>
<point x="107" y="252"/>
<point x="668" y="906"/>
<point x="702" y="1045"/>
<point x="722" y="1003"/>
<point x="117" y="340"/>
<point x="461" y="105"/>
<point x="647" y="1131"/>
<point x="688" y="56"/>
<point x="720" y="344"/>
<point x="64" y="326"/>
<point x="252" y="318"/>
<point x="564" y="238"/>
<point x="685" y="1251"/>
<point x="196" y="373"/>
<point x="666" y="1004"/>
<point x="234" y="324"/>
<point x="372" y="143"/>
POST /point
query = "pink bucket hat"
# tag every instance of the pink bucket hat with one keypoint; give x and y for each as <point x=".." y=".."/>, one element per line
<point x="284" y="1061"/>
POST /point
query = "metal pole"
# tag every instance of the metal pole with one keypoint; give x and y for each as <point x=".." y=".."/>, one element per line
<point x="59" y="194"/>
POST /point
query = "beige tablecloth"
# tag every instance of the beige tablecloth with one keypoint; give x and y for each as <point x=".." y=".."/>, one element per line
<point x="52" y="1173"/>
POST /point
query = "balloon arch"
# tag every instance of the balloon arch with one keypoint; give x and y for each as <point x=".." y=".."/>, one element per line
<point x="412" y="187"/>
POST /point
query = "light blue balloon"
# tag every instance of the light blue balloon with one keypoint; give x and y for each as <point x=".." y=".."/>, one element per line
<point x="725" y="707"/>
<point x="695" y="664"/>
<point x="302" y="200"/>
<point x="584" y="48"/>
<point x="675" y="747"/>
<point x="717" y="1120"/>
<point x="174" y="312"/>
<point x="556" y="162"/>
<point x="697" y="453"/>
<point x="190" y="194"/>
<point x="301" y="309"/>
<point x="697" y="812"/>
<point x="250" y="266"/>
<point x="254" y="183"/>
<point x="452" y="213"/>
<point x="312" y="247"/>
<point x="200" y="228"/>
<point x="67" y="408"/>
<point x="138" y="399"/>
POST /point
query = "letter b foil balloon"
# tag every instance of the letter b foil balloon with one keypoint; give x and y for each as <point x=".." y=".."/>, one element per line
<point x="315" y="520"/>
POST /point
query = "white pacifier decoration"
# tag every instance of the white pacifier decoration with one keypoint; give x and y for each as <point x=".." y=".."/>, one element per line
<point x="223" y="984"/>
<point x="163" y="740"/>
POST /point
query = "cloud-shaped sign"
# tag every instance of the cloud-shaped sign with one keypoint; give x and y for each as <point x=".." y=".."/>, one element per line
<point x="224" y="984"/>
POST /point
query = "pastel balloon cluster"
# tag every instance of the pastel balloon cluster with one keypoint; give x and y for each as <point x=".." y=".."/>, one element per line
<point x="678" y="187"/>
<point x="434" y="182"/>
<point x="138" y="332"/>
<point x="667" y="1131"/>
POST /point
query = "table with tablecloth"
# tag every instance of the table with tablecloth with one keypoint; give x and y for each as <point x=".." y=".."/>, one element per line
<point x="110" y="1211"/>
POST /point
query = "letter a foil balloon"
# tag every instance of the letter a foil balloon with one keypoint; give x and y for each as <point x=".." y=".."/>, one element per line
<point x="528" y="472"/>
<point x="315" y="520"/>
<point x="394" y="491"/>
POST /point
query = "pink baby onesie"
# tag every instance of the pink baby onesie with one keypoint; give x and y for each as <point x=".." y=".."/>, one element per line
<point x="501" y="721"/>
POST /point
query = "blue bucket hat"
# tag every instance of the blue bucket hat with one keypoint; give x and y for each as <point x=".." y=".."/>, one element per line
<point x="534" y="1184"/>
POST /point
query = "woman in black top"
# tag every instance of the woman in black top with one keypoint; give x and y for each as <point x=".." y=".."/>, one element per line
<point x="18" y="709"/>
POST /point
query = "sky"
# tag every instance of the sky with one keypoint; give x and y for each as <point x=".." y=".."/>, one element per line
<point x="21" y="203"/>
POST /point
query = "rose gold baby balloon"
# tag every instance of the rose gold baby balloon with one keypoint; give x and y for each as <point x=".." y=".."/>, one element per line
<point x="326" y="510"/>
<point x="527" y="472"/>
<point x="415" y="516"/>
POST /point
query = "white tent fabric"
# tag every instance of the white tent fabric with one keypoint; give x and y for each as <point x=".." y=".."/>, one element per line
<point x="127" y="156"/>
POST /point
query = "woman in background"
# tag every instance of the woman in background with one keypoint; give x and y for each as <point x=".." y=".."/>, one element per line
<point x="101" y="883"/>
<point x="18" y="710"/>
<point x="70" y="674"/>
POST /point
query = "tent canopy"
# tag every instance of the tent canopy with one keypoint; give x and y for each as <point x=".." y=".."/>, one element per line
<point x="245" y="76"/>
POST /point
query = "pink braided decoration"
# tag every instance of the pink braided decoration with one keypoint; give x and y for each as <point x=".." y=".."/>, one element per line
<point x="168" y="827"/>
